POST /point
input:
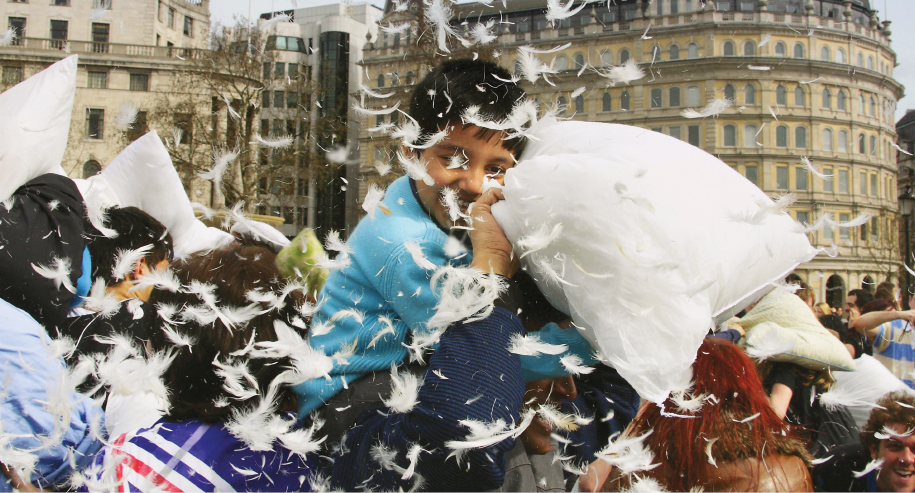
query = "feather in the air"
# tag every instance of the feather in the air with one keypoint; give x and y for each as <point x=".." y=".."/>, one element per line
<point x="7" y="37"/>
<point x="763" y="348"/>
<point x="382" y="111"/>
<point x="59" y="272"/>
<point x="382" y="168"/>
<point x="337" y="154"/>
<point x="237" y="379"/>
<point x="530" y="345"/>
<point x="858" y="221"/>
<point x="413" y="457"/>
<point x="483" y="434"/>
<point x="816" y="462"/>
<point x="221" y="160"/>
<point x="372" y="200"/>
<point x="765" y="39"/>
<point x="98" y="12"/>
<point x="404" y="391"/>
<point x="415" y="168"/>
<point x="450" y="201"/>
<point x="333" y="242"/>
<point x="623" y="74"/>
<point x="708" y="451"/>
<point x="539" y="239"/>
<point x="564" y="421"/>
<point x="715" y="107"/>
<point x="302" y="441"/>
<point x="532" y="67"/>
<point x="273" y="143"/>
<point x="557" y="11"/>
<point x="416" y="251"/>
<point x="629" y="454"/>
<point x="353" y="313"/>
<point x="886" y="433"/>
<point x="438" y="15"/>
<point x="573" y="364"/>
<point x="177" y="134"/>
<point x="125" y="261"/>
<point x="325" y="262"/>
<point x="387" y="328"/>
<point x="276" y="19"/>
<point x="807" y="164"/>
<point x="871" y="466"/>
<point x="645" y="484"/>
<point x="481" y="33"/>
<point x="907" y="153"/>
<point x="545" y="267"/>
<point x="761" y="68"/>
<point x="164" y="279"/>
<point x="577" y="92"/>
<point x="394" y="28"/>
<point x="126" y="117"/>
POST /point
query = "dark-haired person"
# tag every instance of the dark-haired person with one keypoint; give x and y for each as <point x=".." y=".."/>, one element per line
<point x="395" y="254"/>
<point x="133" y="229"/>
<point x="887" y="436"/>
<point x="855" y="301"/>
<point x="889" y="331"/>
<point x="193" y="448"/>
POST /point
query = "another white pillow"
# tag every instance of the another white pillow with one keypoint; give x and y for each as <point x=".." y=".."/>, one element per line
<point x="34" y="125"/>
<point x="649" y="245"/>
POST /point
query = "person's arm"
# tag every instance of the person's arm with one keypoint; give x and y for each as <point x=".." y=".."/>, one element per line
<point x="869" y="324"/>
<point x="780" y="398"/>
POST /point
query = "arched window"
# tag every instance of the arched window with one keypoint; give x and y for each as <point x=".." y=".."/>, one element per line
<point x="655" y="54"/>
<point x="835" y="291"/>
<point x="579" y="61"/>
<point x="624" y="100"/>
<point x="843" y="141"/>
<point x="561" y="104"/>
<point x="749" y="94"/>
<point x="380" y="80"/>
<point x="861" y="60"/>
<point x="781" y="136"/>
<point x="800" y="138"/>
<point x="827" y="139"/>
<point x="729" y="92"/>
<point x="824" y="53"/>
<point x="780" y="49"/>
<point x="730" y="136"/>
<point x="692" y="96"/>
<point x="518" y="70"/>
<point x="624" y="56"/>
<point x="606" y="59"/>
<point x="728" y="49"/>
<point x="673" y="99"/>
<point x="91" y="168"/>
<point x="411" y="77"/>
<point x="606" y="102"/>
<point x="749" y="135"/>
<point x="562" y="63"/>
<point x="827" y="99"/>
<point x="861" y="149"/>
<point x="840" y="55"/>
<point x="656" y="96"/>
<point x="870" y="62"/>
<point x="749" y="48"/>
<point x="841" y="100"/>
<point x="861" y="108"/>
<point x="781" y="95"/>
<point x="692" y="51"/>
<point x="873" y="140"/>
<point x="872" y="110"/>
<point x="799" y="97"/>
<point x="674" y="52"/>
<point x="579" y="104"/>
<point x="798" y="50"/>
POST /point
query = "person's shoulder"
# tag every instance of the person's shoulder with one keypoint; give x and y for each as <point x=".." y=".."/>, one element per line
<point x="837" y="472"/>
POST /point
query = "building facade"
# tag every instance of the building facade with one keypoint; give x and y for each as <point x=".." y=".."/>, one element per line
<point x="807" y="79"/>
<point x="127" y="53"/>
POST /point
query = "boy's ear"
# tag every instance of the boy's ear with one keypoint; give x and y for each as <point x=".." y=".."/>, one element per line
<point x="140" y="269"/>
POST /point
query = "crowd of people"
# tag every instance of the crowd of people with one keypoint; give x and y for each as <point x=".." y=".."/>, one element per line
<point x="427" y="360"/>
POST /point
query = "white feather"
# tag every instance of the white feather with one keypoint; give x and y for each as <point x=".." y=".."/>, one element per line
<point x="766" y="347"/>
<point x="404" y="391"/>
<point x="237" y="379"/>
<point x="765" y="39"/>
<point x="7" y="37"/>
<point x="438" y="15"/>
<point x="715" y="107"/>
<point x="484" y="434"/>
<point x="557" y="11"/>
<point x="337" y="155"/>
<point x="539" y="239"/>
<point x="809" y="166"/>
<point x="907" y="153"/>
<point x="126" y="117"/>
<point x="629" y="454"/>
<point x="158" y="278"/>
<point x="177" y="133"/>
<point x="481" y="33"/>
<point x="383" y="111"/>
<point x="415" y="168"/>
<point x="394" y="28"/>
<point x="276" y="19"/>
<point x="762" y="68"/>
<point x="708" y="451"/>
<point x="100" y="300"/>
<point x="872" y="465"/>
<point x="573" y="364"/>
<point x="221" y="160"/>
<point x="307" y="362"/>
<point x="125" y="261"/>
<point x="325" y="262"/>
<point x="274" y="143"/>
<point x="59" y="272"/>
<point x="178" y="339"/>
<point x="388" y="328"/>
<point x="816" y="462"/>
<point x="623" y="74"/>
<point x="413" y="457"/>
<point x="373" y="198"/>
<point x="645" y="484"/>
<point x="530" y="345"/>
<point x="334" y="243"/>
<point x="450" y="201"/>
<point x="858" y="221"/>
<point x="99" y="12"/>
<point x="565" y="421"/>
<point x="416" y="252"/>
<point x="532" y="67"/>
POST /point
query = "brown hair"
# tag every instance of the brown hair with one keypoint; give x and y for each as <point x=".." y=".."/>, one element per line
<point x="895" y="407"/>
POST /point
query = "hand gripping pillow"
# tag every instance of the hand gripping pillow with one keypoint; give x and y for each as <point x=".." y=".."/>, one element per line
<point x="781" y="317"/>
<point x="644" y="240"/>
<point x="35" y="124"/>
<point x="143" y="176"/>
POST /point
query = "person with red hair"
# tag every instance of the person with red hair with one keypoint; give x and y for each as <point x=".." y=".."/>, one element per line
<point x="721" y="434"/>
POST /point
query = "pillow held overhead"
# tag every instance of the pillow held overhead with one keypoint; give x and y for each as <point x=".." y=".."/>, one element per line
<point x="35" y="124"/>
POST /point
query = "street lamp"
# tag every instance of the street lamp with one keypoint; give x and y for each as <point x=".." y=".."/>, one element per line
<point x="906" y="206"/>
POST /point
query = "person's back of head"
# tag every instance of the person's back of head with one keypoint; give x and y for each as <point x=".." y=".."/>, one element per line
<point x="456" y="86"/>
<point x="133" y="229"/>
<point x="885" y="294"/>
<point x="227" y="304"/>
<point x="877" y="305"/>
<point x="863" y="297"/>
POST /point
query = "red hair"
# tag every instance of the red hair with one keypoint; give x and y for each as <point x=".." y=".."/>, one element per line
<point x="679" y="444"/>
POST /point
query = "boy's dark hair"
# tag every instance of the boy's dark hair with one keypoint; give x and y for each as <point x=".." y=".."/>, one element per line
<point x="135" y="229"/>
<point x="863" y="297"/>
<point x="233" y="271"/>
<point x="462" y="81"/>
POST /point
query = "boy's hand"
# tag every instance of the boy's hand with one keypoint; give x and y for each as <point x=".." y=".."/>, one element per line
<point x="491" y="249"/>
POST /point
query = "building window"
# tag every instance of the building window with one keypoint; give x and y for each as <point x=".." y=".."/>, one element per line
<point x="752" y="174"/>
<point x="692" y="51"/>
<point x="730" y="136"/>
<point x="100" y="32"/>
<point x="291" y="99"/>
<point x="843" y="181"/>
<point x="624" y="56"/>
<point x="674" y="97"/>
<point x="781" y="177"/>
<point x="798" y="50"/>
<point x="265" y="127"/>
<point x="183" y="123"/>
<point x="606" y="102"/>
<point x="824" y="53"/>
<point x="59" y="34"/>
<point x="862" y="183"/>
<point x="873" y="107"/>
<point x="692" y="135"/>
<point x="656" y="98"/>
<point x="95" y="123"/>
<point x="799" y="97"/>
<point x="827" y="179"/>
<point x="624" y="100"/>
<point x="873" y="140"/>
<point x="781" y="136"/>
<point x="139" y="82"/>
<point x="279" y="70"/>
<point x="279" y="99"/>
<point x="561" y="103"/>
<point x="380" y="80"/>
<point x="861" y="148"/>
<point x="875" y="229"/>
<point x="675" y="133"/>
<point x="293" y="70"/>
<point x="780" y="49"/>
<point x="843" y="232"/>
<point x="827" y="139"/>
<point x="188" y="26"/>
<point x="800" y="178"/>
<point x="840" y="100"/>
<point x="861" y="103"/>
<point x="749" y="136"/>
<point x="12" y="75"/>
<point x="800" y="138"/>
<point x="873" y="185"/>
<point x="827" y="99"/>
<point x="277" y="127"/>
<point x="606" y="59"/>
<point x="139" y="127"/>
<point x="870" y="63"/>
<point x="728" y="49"/>
<point x="579" y="104"/>
<point x="803" y="217"/>
<point x="781" y="96"/>
<point x="674" y="52"/>
<point x="562" y="63"/>
<point x="843" y="141"/>
<point x="655" y="54"/>
<point x="749" y="94"/>
<point x="729" y="92"/>
<point x="692" y="96"/>
<point x="749" y="48"/>
<point x="98" y="80"/>
<point x="675" y="7"/>
<point x="171" y="18"/>
<point x="18" y="26"/>
<point x="579" y="61"/>
<point x="840" y="55"/>
<point x="91" y="168"/>
<point x="265" y="99"/>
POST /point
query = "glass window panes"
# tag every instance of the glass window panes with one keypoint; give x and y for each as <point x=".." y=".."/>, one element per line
<point x="843" y="141"/>
<point x="692" y="51"/>
<point x="843" y="181"/>
<point x="139" y="82"/>
<point x="827" y="179"/>
<point x="862" y="183"/>
<point x="265" y="99"/>
<point x="800" y="137"/>
<point x="95" y="123"/>
<point x="781" y="136"/>
<point x="279" y="69"/>
<point x="291" y="99"/>
<point x="675" y="132"/>
<point x="800" y="178"/>
<point x="843" y="232"/>
<point x="606" y="102"/>
<point x="873" y="185"/>
<point x="841" y="100"/>
<point x="692" y="96"/>
<point x="781" y="177"/>
<point x="730" y="135"/>
<point x="692" y="135"/>
<point x="279" y="99"/>
<point x="98" y="80"/>
<point x="674" y="97"/>
<point x="624" y="100"/>
<point x="750" y="94"/>
<point x="656" y="98"/>
<point x="752" y="174"/>
<point x="749" y="136"/>
<point x="781" y="96"/>
<point x="729" y="92"/>
<point x="803" y="217"/>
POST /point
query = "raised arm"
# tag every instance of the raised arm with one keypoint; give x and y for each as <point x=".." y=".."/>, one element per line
<point x="869" y="324"/>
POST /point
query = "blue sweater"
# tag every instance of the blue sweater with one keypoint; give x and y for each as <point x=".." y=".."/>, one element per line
<point x="383" y="280"/>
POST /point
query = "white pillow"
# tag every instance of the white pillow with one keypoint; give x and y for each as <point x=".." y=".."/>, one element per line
<point x="34" y="125"/>
<point x="649" y="252"/>
<point x="143" y="176"/>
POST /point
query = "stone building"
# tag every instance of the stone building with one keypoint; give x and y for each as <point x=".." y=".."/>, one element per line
<point x="807" y="78"/>
<point x="128" y="52"/>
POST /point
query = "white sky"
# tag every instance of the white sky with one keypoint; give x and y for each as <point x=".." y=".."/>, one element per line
<point x="898" y="11"/>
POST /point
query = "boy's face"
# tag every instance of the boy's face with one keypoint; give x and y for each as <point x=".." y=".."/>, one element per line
<point x="898" y="454"/>
<point x="479" y="158"/>
<point x="536" y="438"/>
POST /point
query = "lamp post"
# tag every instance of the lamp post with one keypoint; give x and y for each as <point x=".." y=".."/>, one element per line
<point x="906" y="206"/>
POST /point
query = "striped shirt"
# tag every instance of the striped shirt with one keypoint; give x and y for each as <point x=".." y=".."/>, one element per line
<point x="195" y="456"/>
<point x="893" y="348"/>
